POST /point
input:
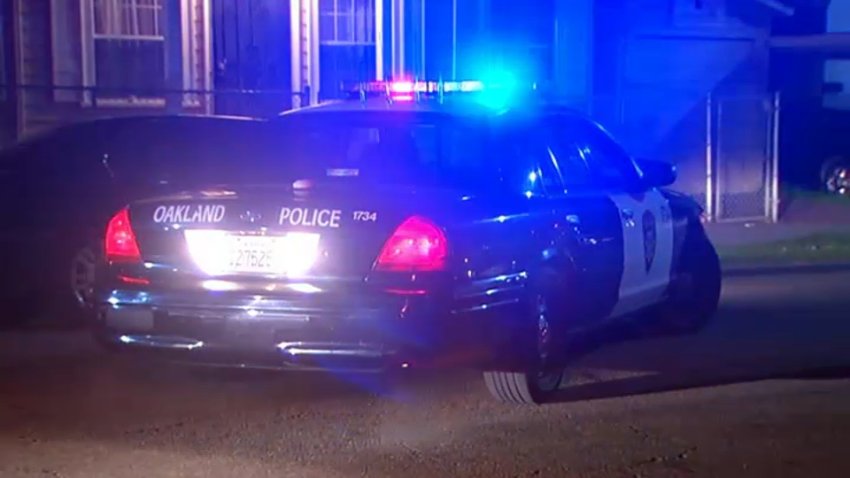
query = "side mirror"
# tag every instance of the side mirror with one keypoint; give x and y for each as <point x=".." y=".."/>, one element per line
<point x="657" y="173"/>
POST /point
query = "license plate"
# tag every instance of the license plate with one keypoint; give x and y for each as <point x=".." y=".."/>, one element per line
<point x="221" y="253"/>
<point x="252" y="254"/>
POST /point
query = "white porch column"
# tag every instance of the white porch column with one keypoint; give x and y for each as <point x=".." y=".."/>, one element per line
<point x="379" y="39"/>
<point x="415" y="39"/>
<point x="304" y="41"/>
<point x="397" y="38"/>
<point x="174" y="34"/>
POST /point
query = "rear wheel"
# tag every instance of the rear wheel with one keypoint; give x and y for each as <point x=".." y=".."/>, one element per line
<point x="73" y="297"/>
<point x="695" y="291"/>
<point x="543" y="369"/>
<point x="82" y="269"/>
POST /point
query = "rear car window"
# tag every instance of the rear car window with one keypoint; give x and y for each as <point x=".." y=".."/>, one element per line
<point x="385" y="148"/>
<point x="190" y="152"/>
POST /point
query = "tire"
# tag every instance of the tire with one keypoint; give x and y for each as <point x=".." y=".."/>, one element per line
<point x="518" y="388"/>
<point x="82" y="266"/>
<point x="695" y="293"/>
<point x="542" y="349"/>
<point x="72" y="302"/>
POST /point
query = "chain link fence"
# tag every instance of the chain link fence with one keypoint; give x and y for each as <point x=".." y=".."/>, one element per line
<point x="724" y="147"/>
<point x="745" y="159"/>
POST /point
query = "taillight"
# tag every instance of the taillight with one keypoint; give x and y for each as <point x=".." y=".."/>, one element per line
<point x="417" y="245"/>
<point x="120" y="243"/>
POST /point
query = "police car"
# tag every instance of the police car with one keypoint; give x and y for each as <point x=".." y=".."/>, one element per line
<point x="421" y="224"/>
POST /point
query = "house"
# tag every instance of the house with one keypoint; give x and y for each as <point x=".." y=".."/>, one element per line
<point x="682" y="80"/>
<point x="68" y="60"/>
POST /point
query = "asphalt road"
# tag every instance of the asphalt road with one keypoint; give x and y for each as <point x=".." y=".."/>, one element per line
<point x="763" y="392"/>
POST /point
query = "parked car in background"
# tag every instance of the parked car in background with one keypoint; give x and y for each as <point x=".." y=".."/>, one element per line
<point x="815" y="151"/>
<point x="835" y="175"/>
<point x="57" y="191"/>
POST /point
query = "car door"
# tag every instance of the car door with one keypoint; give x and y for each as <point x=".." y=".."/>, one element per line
<point x="591" y="217"/>
<point x="645" y="218"/>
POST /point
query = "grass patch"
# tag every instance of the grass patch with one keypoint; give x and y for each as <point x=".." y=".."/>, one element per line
<point x="814" y="249"/>
<point x="790" y="194"/>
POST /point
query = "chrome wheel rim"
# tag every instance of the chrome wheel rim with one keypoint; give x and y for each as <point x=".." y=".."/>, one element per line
<point x="547" y="378"/>
<point x="83" y="266"/>
<point x="838" y="180"/>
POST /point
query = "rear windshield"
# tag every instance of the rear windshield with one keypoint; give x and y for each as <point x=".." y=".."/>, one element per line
<point x="385" y="148"/>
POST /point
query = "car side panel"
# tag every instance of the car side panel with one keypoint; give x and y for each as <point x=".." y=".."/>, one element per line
<point x="589" y="232"/>
<point x="493" y="247"/>
<point x="577" y="235"/>
<point x="685" y="213"/>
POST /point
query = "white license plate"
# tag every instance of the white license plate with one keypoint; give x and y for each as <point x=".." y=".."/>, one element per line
<point x="252" y="254"/>
<point x="221" y="253"/>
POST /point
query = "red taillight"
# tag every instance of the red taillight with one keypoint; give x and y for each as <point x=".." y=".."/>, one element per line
<point x="417" y="245"/>
<point x="120" y="243"/>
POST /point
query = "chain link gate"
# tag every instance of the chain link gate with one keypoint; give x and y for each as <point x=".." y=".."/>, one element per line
<point x="724" y="147"/>
<point x="742" y="158"/>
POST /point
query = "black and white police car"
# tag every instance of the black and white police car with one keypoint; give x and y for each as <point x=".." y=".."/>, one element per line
<point x="423" y="224"/>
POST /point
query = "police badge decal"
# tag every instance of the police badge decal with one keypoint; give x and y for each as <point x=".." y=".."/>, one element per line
<point x="650" y="239"/>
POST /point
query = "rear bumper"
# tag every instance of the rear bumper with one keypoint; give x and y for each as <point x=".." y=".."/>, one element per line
<point x="364" y="331"/>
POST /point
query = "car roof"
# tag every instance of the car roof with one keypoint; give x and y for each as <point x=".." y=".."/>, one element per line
<point x="176" y="118"/>
<point x="112" y="124"/>
<point x="171" y="120"/>
<point x="460" y="108"/>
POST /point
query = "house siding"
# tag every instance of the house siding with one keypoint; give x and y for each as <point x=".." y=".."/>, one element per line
<point x="34" y="63"/>
<point x="199" y="52"/>
<point x="8" y="95"/>
<point x="671" y="56"/>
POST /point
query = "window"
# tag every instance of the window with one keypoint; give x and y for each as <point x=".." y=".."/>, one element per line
<point x="527" y="165"/>
<point x="129" y="46"/>
<point x="549" y="176"/>
<point x="349" y="22"/>
<point x="564" y="148"/>
<point x="610" y="165"/>
<point x="385" y="148"/>
<point x="190" y="151"/>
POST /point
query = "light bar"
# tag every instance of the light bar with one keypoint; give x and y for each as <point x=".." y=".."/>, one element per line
<point x="406" y="87"/>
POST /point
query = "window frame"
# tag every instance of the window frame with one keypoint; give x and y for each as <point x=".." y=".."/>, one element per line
<point x="557" y="127"/>
<point x="360" y="13"/>
<point x="516" y="140"/>
<point x="92" y="36"/>
<point x="590" y="132"/>
<point x="75" y="65"/>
